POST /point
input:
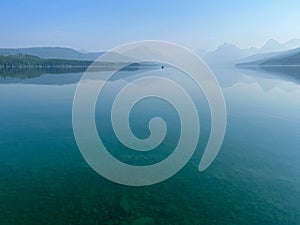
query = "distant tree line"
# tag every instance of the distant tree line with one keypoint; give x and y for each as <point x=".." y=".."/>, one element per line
<point x="21" y="60"/>
<point x="25" y="66"/>
<point x="22" y="65"/>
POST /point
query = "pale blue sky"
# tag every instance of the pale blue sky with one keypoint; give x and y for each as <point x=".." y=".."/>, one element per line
<point x="96" y="25"/>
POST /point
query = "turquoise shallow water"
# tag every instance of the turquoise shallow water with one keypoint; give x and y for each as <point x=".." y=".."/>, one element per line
<point x="254" y="180"/>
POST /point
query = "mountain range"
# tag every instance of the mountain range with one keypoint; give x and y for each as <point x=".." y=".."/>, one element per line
<point x="285" y="62"/>
<point x="224" y="54"/>
<point x="51" y="53"/>
<point x="230" y="54"/>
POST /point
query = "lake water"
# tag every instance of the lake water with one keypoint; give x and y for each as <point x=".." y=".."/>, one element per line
<point x="255" y="179"/>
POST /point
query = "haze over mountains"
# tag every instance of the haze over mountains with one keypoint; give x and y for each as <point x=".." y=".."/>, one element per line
<point x="224" y="54"/>
<point x="283" y="62"/>
<point x="52" y="53"/>
<point x="231" y="54"/>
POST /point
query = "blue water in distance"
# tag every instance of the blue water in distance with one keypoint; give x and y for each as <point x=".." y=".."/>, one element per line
<point x="255" y="179"/>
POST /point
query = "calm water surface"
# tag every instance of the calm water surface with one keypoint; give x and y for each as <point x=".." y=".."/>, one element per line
<point x="254" y="180"/>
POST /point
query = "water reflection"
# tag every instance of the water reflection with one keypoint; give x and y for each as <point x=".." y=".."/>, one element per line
<point x="257" y="168"/>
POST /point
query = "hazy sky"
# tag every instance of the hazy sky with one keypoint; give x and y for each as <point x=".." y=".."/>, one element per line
<point x="96" y="25"/>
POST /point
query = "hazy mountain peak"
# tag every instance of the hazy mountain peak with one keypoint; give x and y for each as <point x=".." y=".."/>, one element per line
<point x="293" y="43"/>
<point x="227" y="46"/>
<point x="272" y="45"/>
<point x="271" y="41"/>
<point x="225" y="53"/>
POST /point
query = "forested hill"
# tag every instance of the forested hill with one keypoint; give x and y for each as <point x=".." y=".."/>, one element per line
<point x="21" y="60"/>
<point x="21" y="65"/>
<point x="52" y="53"/>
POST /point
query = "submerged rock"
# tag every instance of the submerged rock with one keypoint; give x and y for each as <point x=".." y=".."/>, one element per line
<point x="169" y="210"/>
<point x="125" y="204"/>
<point x="143" y="221"/>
